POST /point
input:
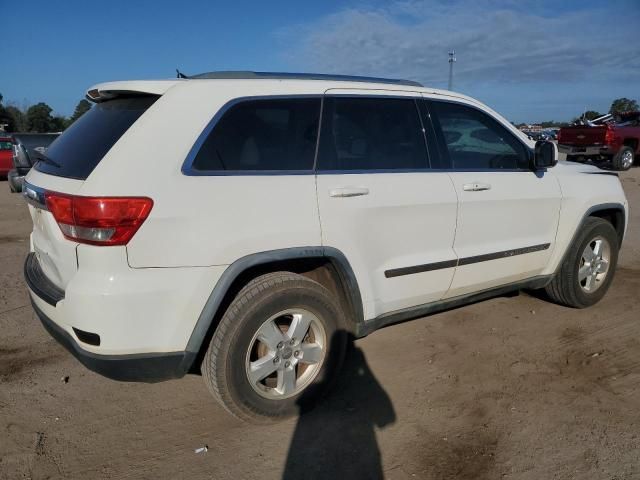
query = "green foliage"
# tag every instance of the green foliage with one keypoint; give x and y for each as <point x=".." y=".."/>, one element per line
<point x="39" y="118"/>
<point x="17" y="120"/>
<point x="623" y="104"/>
<point x="83" y="107"/>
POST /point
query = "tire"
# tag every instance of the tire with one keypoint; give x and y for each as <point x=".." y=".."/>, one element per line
<point x="253" y="338"/>
<point x="623" y="160"/>
<point x="569" y="286"/>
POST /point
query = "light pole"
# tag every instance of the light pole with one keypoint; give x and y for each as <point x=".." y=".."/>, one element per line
<point x="452" y="59"/>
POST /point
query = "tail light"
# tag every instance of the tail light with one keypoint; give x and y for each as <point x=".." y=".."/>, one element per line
<point x="559" y="136"/>
<point x="98" y="220"/>
<point x="609" y="136"/>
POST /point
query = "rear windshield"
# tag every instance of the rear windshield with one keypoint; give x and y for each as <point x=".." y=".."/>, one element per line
<point x="5" y="145"/>
<point x="81" y="147"/>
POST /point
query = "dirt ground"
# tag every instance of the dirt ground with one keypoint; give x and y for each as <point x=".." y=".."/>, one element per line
<point x="513" y="388"/>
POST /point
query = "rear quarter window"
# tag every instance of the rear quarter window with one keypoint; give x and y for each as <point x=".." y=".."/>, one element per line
<point x="262" y="135"/>
<point x="82" y="146"/>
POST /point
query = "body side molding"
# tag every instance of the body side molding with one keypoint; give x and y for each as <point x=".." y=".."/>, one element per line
<point x="397" y="272"/>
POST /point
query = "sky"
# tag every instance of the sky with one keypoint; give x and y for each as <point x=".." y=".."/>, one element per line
<point x="531" y="61"/>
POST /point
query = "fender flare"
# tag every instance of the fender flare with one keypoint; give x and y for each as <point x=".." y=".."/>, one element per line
<point x="591" y="210"/>
<point x="233" y="271"/>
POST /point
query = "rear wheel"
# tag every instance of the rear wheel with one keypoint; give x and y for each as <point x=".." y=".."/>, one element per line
<point x="623" y="160"/>
<point x="277" y="348"/>
<point x="588" y="268"/>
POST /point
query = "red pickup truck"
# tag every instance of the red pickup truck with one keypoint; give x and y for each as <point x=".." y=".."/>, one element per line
<point x="6" y="155"/>
<point x="605" y="139"/>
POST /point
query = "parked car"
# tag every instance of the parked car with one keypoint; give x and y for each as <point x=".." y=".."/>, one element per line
<point x="28" y="148"/>
<point x="5" y="155"/>
<point x="284" y="214"/>
<point x="614" y="142"/>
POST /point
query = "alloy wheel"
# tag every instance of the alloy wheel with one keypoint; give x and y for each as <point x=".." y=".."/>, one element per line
<point x="286" y="354"/>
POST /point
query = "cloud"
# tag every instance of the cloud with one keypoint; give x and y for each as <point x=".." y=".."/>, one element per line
<point x="495" y="42"/>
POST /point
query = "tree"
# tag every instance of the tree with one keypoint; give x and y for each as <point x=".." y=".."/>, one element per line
<point x="7" y="117"/>
<point x="623" y="104"/>
<point x="83" y="107"/>
<point x="39" y="118"/>
<point x="59" y="123"/>
<point x="18" y="121"/>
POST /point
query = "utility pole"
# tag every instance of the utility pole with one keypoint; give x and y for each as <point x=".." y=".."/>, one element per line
<point x="452" y="59"/>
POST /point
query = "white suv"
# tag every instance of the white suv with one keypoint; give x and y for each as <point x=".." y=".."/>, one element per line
<point x="246" y="225"/>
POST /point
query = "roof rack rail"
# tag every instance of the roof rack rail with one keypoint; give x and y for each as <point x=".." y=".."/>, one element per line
<point x="243" y="75"/>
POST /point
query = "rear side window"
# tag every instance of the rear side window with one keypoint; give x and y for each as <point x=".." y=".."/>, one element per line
<point x="371" y="134"/>
<point x="276" y="135"/>
<point x="474" y="140"/>
<point x="81" y="147"/>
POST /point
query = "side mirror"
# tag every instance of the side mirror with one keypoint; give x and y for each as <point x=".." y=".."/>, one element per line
<point x="545" y="156"/>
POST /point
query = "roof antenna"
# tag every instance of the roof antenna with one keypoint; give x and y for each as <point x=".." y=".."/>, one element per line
<point x="179" y="74"/>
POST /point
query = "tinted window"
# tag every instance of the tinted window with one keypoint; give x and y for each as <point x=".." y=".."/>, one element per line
<point x="81" y="147"/>
<point x="474" y="140"/>
<point x="371" y="134"/>
<point x="5" y="145"/>
<point x="277" y="134"/>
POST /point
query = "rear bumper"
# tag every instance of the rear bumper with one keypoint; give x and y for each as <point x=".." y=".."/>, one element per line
<point x="148" y="367"/>
<point x="586" y="151"/>
<point x="126" y="324"/>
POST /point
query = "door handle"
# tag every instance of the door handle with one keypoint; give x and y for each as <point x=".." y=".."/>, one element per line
<point x="344" y="192"/>
<point x="476" y="187"/>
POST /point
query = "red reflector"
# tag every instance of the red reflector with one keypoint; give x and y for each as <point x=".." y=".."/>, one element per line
<point x="98" y="220"/>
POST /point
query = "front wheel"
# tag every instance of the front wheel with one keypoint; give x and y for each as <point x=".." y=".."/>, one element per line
<point x="588" y="267"/>
<point x="277" y="348"/>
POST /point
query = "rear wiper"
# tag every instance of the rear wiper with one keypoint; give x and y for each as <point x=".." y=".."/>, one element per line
<point x="44" y="159"/>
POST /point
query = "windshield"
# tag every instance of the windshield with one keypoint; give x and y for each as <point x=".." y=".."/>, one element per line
<point x="81" y="147"/>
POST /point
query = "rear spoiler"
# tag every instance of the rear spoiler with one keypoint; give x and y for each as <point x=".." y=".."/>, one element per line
<point x="107" y="91"/>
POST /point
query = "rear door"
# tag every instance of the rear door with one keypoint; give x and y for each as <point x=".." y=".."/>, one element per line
<point x="380" y="203"/>
<point x="507" y="213"/>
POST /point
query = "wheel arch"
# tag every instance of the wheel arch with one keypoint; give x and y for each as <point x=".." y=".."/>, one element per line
<point x="631" y="142"/>
<point x="326" y="265"/>
<point x="614" y="213"/>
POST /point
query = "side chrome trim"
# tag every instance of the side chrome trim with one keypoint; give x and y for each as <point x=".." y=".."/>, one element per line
<point x="34" y="195"/>
<point x="398" y="272"/>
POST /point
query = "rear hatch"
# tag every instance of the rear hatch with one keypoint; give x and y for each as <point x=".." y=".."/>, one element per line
<point x="53" y="186"/>
<point x="583" y="136"/>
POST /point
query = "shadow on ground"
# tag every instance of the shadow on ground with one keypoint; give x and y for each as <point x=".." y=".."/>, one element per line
<point x="337" y="439"/>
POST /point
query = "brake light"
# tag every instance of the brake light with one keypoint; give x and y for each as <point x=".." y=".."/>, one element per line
<point x="609" y="136"/>
<point x="98" y="220"/>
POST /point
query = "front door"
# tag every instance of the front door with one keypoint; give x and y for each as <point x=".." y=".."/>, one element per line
<point x="507" y="213"/>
